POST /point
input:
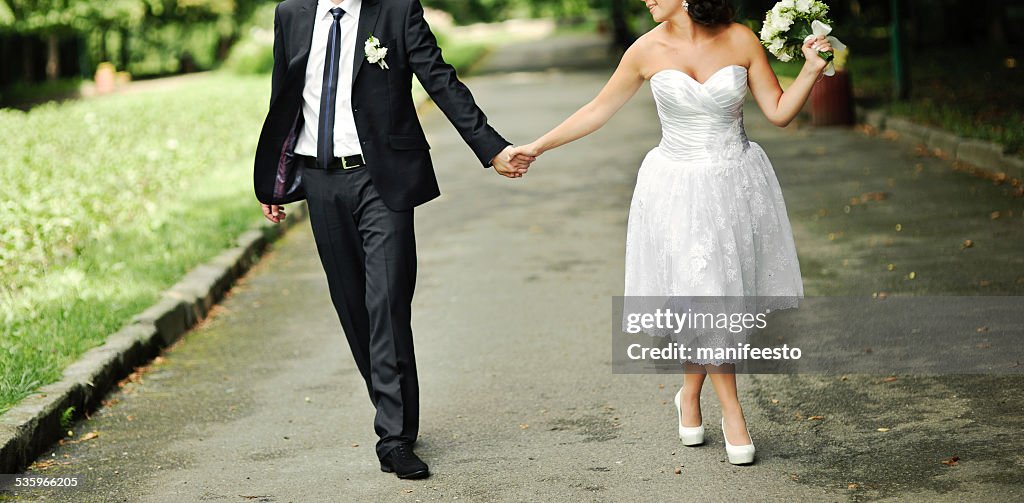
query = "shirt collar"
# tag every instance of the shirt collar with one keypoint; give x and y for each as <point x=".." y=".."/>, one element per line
<point x="351" y="8"/>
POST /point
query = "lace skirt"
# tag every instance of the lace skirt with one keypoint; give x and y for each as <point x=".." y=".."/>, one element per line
<point x="711" y="229"/>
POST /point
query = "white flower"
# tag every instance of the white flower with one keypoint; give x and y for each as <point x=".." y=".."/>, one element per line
<point x="782" y="23"/>
<point x="374" y="52"/>
<point x="767" y="30"/>
<point x="804" y="5"/>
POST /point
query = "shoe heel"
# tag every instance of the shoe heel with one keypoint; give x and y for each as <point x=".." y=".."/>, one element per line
<point x="690" y="435"/>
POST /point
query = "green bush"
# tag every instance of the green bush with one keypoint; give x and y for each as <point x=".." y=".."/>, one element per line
<point x="254" y="53"/>
<point x="251" y="57"/>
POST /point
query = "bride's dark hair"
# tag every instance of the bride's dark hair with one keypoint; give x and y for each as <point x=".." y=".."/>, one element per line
<point x="711" y="12"/>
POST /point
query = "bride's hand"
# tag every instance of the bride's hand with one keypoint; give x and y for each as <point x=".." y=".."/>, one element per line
<point x="528" y="152"/>
<point x="811" y="48"/>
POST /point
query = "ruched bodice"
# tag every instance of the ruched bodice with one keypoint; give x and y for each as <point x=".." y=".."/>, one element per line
<point x="701" y="121"/>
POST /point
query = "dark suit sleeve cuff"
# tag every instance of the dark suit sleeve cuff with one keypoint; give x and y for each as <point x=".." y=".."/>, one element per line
<point x="486" y="151"/>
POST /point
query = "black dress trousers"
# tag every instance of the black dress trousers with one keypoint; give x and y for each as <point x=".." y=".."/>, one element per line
<point x="368" y="252"/>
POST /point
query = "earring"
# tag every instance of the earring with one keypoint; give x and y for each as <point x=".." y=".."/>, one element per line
<point x="686" y="6"/>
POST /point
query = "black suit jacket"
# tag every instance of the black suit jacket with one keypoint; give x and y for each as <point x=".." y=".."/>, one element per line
<point x="393" y="143"/>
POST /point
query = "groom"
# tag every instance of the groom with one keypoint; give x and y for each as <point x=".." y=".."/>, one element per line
<point x="342" y="133"/>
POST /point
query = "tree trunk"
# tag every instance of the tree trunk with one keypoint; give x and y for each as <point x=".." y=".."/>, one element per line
<point x="28" y="60"/>
<point x="125" y="49"/>
<point x="224" y="47"/>
<point x="52" y="57"/>
<point x="104" y="56"/>
<point x="622" y="36"/>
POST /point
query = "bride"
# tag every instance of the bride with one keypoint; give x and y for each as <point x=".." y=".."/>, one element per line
<point x="707" y="216"/>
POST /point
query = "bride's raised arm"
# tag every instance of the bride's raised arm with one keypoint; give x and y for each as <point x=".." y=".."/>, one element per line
<point x="623" y="84"/>
<point x="781" y="107"/>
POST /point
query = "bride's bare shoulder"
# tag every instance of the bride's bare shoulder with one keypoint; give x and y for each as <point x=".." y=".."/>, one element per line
<point x="647" y="45"/>
<point x="742" y="36"/>
<point x="641" y="49"/>
<point x="653" y="38"/>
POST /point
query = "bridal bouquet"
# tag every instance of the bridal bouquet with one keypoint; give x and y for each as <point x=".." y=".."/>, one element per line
<point x="791" y="22"/>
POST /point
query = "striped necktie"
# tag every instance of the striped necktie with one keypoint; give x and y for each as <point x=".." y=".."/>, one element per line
<point x="329" y="93"/>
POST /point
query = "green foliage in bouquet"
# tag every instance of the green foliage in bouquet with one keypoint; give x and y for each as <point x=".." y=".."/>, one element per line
<point x="789" y="23"/>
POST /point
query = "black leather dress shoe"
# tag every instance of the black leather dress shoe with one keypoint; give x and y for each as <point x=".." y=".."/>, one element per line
<point x="404" y="463"/>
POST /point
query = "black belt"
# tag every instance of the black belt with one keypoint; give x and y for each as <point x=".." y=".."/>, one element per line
<point x="349" y="162"/>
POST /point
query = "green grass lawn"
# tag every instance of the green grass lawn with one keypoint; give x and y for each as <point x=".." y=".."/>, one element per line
<point x="974" y="93"/>
<point x="109" y="201"/>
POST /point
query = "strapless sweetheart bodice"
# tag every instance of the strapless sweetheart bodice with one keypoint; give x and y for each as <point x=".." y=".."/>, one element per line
<point x="701" y="121"/>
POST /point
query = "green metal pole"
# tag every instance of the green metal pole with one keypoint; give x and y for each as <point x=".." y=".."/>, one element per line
<point x="900" y="89"/>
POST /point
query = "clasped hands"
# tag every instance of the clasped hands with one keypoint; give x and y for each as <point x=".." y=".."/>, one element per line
<point x="514" y="162"/>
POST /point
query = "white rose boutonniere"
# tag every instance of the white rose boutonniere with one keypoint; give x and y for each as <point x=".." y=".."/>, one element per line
<point x="374" y="52"/>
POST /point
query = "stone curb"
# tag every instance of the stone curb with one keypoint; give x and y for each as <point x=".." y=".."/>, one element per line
<point x="34" y="424"/>
<point x="983" y="154"/>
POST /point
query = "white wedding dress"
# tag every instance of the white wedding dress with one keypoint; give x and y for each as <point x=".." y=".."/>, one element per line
<point x="707" y="216"/>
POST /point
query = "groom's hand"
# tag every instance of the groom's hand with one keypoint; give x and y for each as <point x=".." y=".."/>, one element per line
<point x="273" y="212"/>
<point x="505" y="164"/>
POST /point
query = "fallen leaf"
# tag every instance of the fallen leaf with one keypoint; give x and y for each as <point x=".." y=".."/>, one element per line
<point x="524" y="426"/>
<point x="967" y="244"/>
<point x="851" y="486"/>
<point x="661" y="386"/>
<point x="678" y="471"/>
<point x="984" y="283"/>
<point x="775" y="400"/>
<point x="88" y="436"/>
<point x="951" y="461"/>
<point x="983" y="345"/>
<point x="816" y="418"/>
<point x="355" y="445"/>
<point x="890" y="379"/>
<point x="981" y="329"/>
<point x="882" y="430"/>
<point x="899" y="227"/>
<point x="995" y="215"/>
<point x="912" y="275"/>
<point x="873" y="196"/>
<point x="891" y="267"/>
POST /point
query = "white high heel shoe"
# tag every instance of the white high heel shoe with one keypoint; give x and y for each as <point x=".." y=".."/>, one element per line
<point x="738" y="454"/>
<point x="690" y="435"/>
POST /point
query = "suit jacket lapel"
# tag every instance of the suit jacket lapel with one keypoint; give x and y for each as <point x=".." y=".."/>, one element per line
<point x="367" y="22"/>
<point x="304" y="21"/>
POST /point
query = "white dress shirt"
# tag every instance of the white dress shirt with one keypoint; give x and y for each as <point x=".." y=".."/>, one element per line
<point x="346" y="140"/>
